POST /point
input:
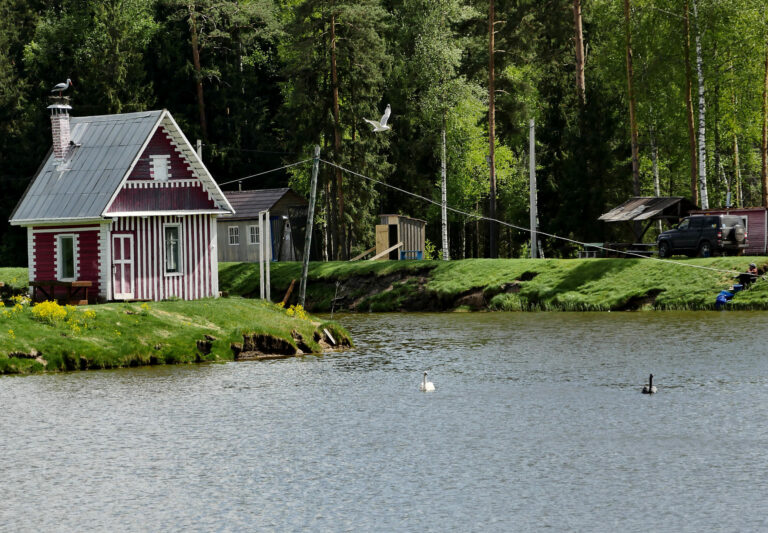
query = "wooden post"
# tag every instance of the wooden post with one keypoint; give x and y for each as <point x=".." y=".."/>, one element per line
<point x="310" y="220"/>
<point x="261" y="257"/>
<point x="200" y="149"/>
<point x="268" y="254"/>
<point x="265" y="255"/>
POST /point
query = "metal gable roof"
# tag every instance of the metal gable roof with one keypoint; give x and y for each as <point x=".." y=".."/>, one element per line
<point x="104" y="148"/>
<point x="648" y="207"/>
<point x="248" y="204"/>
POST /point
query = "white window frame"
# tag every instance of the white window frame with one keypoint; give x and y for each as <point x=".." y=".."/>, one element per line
<point x="160" y="166"/>
<point x="59" y="257"/>
<point x="253" y="234"/>
<point x="180" y="270"/>
<point x="234" y="236"/>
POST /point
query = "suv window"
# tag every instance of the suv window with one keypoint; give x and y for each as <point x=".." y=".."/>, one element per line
<point x="697" y="222"/>
<point x="684" y="224"/>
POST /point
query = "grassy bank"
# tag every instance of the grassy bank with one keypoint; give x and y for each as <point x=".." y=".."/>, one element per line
<point x="47" y="337"/>
<point x="508" y="284"/>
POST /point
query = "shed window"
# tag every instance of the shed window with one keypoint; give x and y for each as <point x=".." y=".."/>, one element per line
<point x="66" y="257"/>
<point x="234" y="235"/>
<point x="173" y="252"/>
<point x="253" y="235"/>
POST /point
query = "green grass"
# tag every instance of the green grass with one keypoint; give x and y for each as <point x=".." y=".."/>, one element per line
<point x="133" y="334"/>
<point x="549" y="284"/>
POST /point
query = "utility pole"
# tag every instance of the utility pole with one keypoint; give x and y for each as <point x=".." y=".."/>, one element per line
<point x="532" y="185"/>
<point x="310" y="220"/>
<point x="200" y="149"/>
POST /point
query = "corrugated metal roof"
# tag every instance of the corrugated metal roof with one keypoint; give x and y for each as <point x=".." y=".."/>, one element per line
<point x="106" y="146"/>
<point x="646" y="207"/>
<point x="248" y="204"/>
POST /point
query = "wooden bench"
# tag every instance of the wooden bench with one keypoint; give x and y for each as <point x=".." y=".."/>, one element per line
<point x="74" y="288"/>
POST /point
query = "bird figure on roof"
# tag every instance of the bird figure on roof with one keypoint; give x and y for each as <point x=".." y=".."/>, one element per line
<point x="62" y="86"/>
<point x="381" y="125"/>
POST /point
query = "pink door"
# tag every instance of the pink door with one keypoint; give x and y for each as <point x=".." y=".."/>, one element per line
<point x="122" y="267"/>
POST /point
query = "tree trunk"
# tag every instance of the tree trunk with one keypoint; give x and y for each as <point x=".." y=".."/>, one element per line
<point x="631" y="96"/>
<point x="492" y="129"/>
<point x="444" y="195"/>
<point x="339" y="230"/>
<point x="689" y="108"/>
<point x="764" y="148"/>
<point x="703" y="195"/>
<point x="737" y="172"/>
<point x="198" y="73"/>
<point x="579" y="42"/>
<point x="655" y="164"/>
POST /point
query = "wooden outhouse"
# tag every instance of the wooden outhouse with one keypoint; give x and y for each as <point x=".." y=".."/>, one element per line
<point x="409" y="233"/>
<point x="122" y="204"/>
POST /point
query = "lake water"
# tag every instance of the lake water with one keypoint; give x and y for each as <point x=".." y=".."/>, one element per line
<point x="537" y="423"/>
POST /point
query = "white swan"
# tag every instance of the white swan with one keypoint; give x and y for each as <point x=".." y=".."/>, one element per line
<point x="426" y="386"/>
<point x="649" y="389"/>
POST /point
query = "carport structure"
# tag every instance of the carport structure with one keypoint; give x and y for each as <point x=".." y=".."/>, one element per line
<point x="649" y="209"/>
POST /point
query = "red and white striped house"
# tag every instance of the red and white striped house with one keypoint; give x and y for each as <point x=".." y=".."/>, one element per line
<point x="123" y="201"/>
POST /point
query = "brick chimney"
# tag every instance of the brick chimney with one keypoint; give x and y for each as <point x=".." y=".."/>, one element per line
<point x="60" y="128"/>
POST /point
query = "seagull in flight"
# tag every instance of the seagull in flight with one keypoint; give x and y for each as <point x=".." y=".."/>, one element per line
<point x="381" y="125"/>
<point x="62" y="86"/>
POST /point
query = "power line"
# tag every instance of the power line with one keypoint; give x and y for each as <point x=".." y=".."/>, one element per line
<point x="520" y="228"/>
<point x="266" y="172"/>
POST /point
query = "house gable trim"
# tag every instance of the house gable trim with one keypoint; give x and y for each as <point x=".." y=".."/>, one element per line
<point x="133" y="163"/>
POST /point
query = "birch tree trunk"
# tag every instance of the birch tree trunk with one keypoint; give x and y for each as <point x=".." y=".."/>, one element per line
<point x="493" y="252"/>
<point x="764" y="147"/>
<point x="655" y="163"/>
<point x="702" y="115"/>
<point x="444" y="194"/>
<point x="689" y="107"/>
<point x="631" y="96"/>
<point x="737" y="172"/>
<point x="579" y="42"/>
<point x="338" y="229"/>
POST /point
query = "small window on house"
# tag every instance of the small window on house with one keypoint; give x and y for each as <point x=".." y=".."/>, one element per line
<point x="66" y="257"/>
<point x="159" y="167"/>
<point x="234" y="235"/>
<point x="253" y="235"/>
<point x="173" y="252"/>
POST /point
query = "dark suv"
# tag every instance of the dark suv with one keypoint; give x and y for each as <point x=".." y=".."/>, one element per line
<point x="705" y="235"/>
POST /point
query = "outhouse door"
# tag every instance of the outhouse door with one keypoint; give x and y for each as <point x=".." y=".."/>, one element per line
<point x="122" y="266"/>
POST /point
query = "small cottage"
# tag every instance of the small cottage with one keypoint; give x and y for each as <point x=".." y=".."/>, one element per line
<point x="123" y="205"/>
<point x="239" y="232"/>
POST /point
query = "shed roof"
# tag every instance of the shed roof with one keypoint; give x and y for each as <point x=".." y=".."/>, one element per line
<point x="248" y="204"/>
<point x="103" y="152"/>
<point x="649" y="207"/>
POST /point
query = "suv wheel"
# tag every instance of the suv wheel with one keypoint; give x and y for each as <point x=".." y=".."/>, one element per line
<point x="705" y="249"/>
<point x="665" y="250"/>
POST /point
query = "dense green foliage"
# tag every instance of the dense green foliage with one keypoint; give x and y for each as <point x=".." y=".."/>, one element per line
<point x="509" y="285"/>
<point x="121" y="335"/>
<point x="262" y="81"/>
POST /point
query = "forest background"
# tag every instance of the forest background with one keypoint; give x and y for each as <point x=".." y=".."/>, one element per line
<point x="629" y="98"/>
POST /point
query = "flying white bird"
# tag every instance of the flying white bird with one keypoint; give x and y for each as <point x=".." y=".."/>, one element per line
<point x="62" y="86"/>
<point x="381" y="125"/>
